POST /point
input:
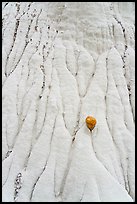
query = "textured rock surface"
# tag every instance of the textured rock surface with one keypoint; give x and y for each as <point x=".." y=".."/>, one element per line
<point x="62" y="62"/>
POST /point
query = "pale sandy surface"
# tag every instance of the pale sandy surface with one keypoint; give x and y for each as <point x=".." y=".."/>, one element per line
<point x="63" y="61"/>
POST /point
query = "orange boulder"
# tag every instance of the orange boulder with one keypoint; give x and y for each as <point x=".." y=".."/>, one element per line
<point x="91" y="122"/>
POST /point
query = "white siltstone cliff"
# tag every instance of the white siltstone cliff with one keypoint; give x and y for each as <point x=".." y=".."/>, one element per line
<point x="63" y="61"/>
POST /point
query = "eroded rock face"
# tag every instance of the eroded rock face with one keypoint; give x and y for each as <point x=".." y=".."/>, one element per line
<point x="63" y="61"/>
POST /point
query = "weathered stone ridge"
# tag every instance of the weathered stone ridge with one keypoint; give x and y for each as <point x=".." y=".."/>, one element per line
<point x="63" y="61"/>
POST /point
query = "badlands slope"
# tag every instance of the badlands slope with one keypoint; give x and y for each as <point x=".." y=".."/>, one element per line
<point x="62" y="62"/>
